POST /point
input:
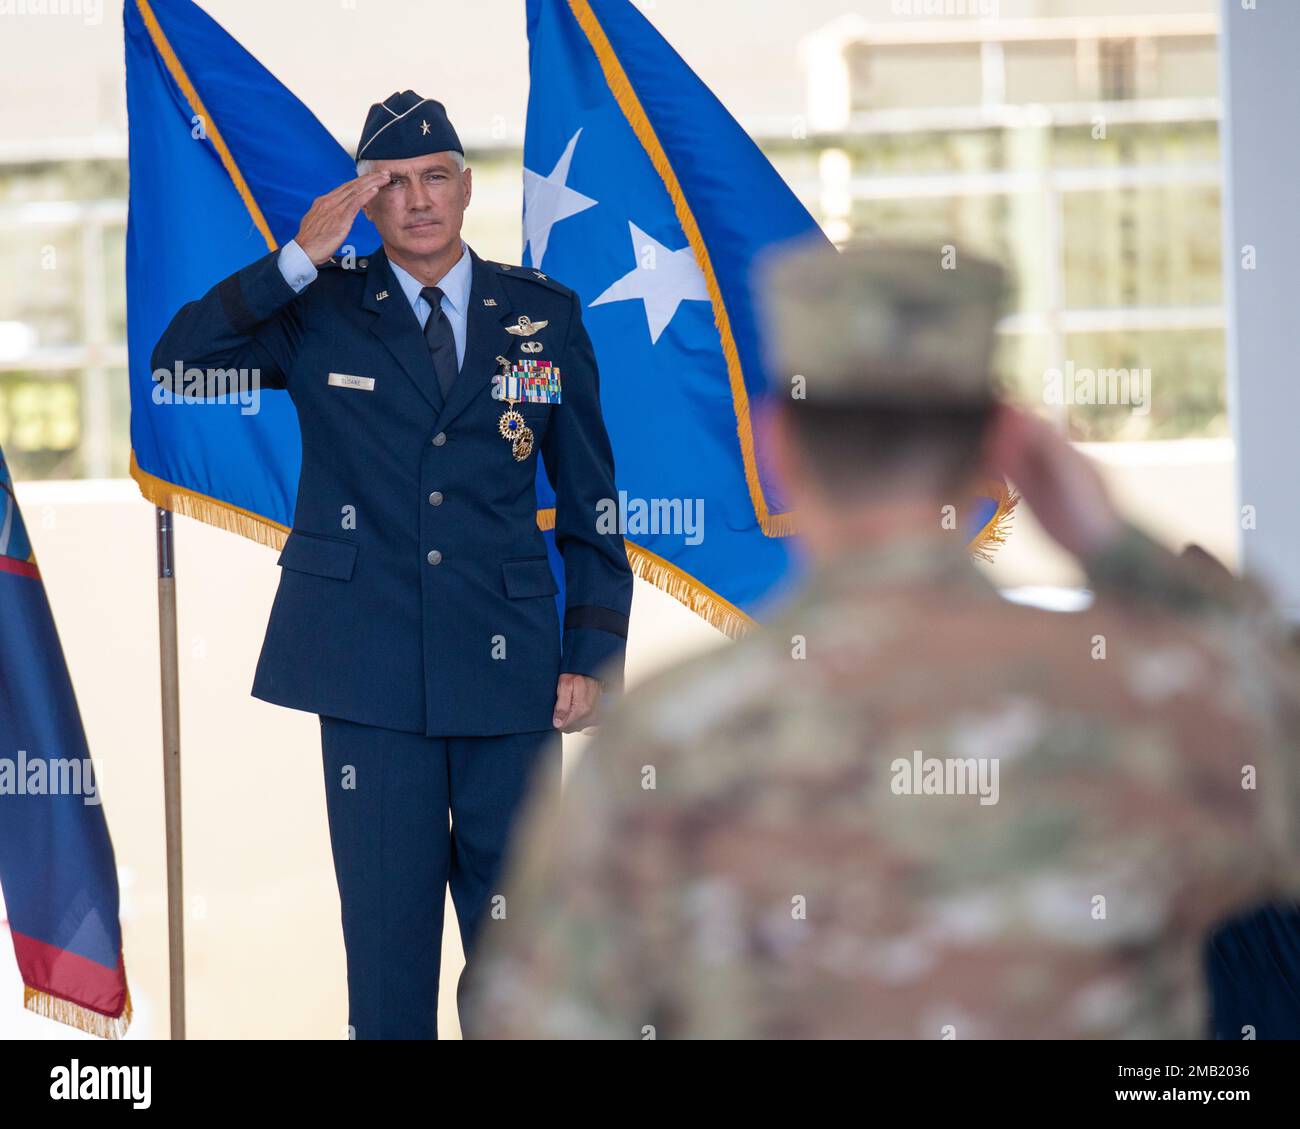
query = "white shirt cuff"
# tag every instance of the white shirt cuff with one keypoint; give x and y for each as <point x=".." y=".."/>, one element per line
<point x="297" y="268"/>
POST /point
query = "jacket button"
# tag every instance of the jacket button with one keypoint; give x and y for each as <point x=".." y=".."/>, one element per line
<point x="440" y="439"/>
<point x="434" y="556"/>
<point x="435" y="499"/>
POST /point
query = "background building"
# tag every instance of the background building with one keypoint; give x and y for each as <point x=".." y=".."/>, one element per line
<point x="1075" y="141"/>
<point x="1080" y="149"/>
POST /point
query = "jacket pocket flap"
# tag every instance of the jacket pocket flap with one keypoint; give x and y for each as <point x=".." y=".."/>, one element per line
<point x="532" y="577"/>
<point x="321" y="556"/>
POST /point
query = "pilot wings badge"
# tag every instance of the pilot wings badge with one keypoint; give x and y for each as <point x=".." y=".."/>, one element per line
<point x="526" y="327"/>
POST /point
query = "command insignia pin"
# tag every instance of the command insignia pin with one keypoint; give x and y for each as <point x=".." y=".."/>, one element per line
<point x="526" y="326"/>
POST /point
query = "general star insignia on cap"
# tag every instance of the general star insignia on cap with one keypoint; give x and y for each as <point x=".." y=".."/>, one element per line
<point x="392" y="132"/>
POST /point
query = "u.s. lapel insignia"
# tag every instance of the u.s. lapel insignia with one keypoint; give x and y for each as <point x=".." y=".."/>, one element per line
<point x="531" y="347"/>
<point x="526" y="326"/>
<point x="381" y="295"/>
<point x="489" y="301"/>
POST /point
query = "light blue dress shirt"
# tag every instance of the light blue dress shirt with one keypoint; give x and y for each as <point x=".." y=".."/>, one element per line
<point x="299" y="271"/>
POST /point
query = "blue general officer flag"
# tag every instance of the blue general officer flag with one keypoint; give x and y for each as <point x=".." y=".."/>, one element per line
<point x="643" y="194"/>
<point x="224" y="162"/>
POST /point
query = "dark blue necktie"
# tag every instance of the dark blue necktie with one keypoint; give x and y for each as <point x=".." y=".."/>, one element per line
<point x="440" y="339"/>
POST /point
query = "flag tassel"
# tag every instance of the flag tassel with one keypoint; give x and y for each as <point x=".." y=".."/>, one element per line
<point x="998" y="527"/>
<point x="223" y="515"/>
<point x="704" y="602"/>
<point x="85" y="1019"/>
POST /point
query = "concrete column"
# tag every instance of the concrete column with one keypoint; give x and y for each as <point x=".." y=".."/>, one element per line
<point x="1260" y="84"/>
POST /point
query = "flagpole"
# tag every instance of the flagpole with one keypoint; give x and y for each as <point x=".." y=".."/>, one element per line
<point x="171" y="732"/>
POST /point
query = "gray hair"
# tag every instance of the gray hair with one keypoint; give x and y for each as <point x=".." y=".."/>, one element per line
<point x="365" y="166"/>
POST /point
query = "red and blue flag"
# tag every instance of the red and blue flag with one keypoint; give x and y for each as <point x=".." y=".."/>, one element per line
<point x="57" y="870"/>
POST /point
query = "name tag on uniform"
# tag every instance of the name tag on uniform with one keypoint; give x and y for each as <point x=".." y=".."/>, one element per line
<point x="347" y="380"/>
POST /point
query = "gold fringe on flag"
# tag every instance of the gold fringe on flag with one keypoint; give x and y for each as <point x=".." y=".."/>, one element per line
<point x="685" y="589"/>
<point x="650" y="567"/>
<point x="998" y="527"/>
<point x="75" y="1015"/>
<point x="681" y="586"/>
<point x="204" y="508"/>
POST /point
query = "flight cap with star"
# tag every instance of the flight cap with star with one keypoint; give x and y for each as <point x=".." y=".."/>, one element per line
<point x="878" y="324"/>
<point x="406" y="125"/>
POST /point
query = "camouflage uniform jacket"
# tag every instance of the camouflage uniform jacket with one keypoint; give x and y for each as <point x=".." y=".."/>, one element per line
<point x="909" y="809"/>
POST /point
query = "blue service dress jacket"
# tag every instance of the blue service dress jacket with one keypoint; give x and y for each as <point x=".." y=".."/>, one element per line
<point x="415" y="591"/>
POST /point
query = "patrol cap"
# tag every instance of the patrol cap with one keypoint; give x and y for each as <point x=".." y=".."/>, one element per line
<point x="879" y="324"/>
<point x="406" y="125"/>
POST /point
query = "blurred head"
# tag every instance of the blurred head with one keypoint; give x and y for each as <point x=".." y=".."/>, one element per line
<point x="860" y="455"/>
<point x="419" y="212"/>
<point x="879" y="360"/>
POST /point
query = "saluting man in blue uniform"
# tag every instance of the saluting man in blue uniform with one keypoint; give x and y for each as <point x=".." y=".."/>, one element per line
<point x="416" y="612"/>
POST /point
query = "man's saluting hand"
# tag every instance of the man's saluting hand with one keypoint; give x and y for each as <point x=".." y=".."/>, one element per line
<point x="330" y="217"/>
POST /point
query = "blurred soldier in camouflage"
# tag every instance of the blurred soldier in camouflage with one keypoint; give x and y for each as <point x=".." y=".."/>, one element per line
<point x="907" y="808"/>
